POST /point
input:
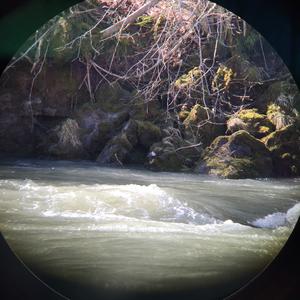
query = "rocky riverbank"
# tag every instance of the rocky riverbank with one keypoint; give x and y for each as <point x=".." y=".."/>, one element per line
<point x="245" y="125"/>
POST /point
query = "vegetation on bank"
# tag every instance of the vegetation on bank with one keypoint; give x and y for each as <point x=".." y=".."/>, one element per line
<point x="174" y="85"/>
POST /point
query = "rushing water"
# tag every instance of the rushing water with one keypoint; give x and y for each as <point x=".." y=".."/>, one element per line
<point x="135" y="230"/>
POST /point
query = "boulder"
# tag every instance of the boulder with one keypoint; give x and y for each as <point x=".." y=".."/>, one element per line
<point x="250" y="120"/>
<point x="279" y="117"/>
<point x="98" y="127"/>
<point x="131" y="144"/>
<point x="284" y="93"/>
<point x="143" y="110"/>
<point x="173" y="153"/>
<point x="202" y="125"/>
<point x="118" y="149"/>
<point x="112" y="98"/>
<point x="284" y="145"/>
<point x="237" y="156"/>
<point x="148" y="133"/>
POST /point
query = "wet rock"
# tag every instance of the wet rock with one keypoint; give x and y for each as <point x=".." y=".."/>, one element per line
<point x="237" y="156"/>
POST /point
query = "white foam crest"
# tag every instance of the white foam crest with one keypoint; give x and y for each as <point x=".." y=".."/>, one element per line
<point x="137" y="201"/>
<point x="293" y="214"/>
<point x="279" y="219"/>
<point x="99" y="200"/>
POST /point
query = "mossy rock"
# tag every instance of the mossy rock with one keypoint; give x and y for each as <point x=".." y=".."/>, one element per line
<point x="235" y="169"/>
<point x="283" y="93"/>
<point x="197" y="114"/>
<point x="144" y="111"/>
<point x="131" y="131"/>
<point x="148" y="133"/>
<point x="284" y="145"/>
<point x="237" y="156"/>
<point x="116" y="150"/>
<point x="98" y="126"/>
<point x="250" y="120"/>
<point x="222" y="78"/>
<point x="56" y="87"/>
<point x="202" y="125"/>
<point x="183" y="114"/>
<point x="112" y="98"/>
<point x="173" y="154"/>
<point x="145" y="21"/>
<point x="279" y="117"/>
<point x="189" y="79"/>
<point x="164" y="161"/>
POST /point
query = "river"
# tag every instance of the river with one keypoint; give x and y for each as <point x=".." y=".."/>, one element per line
<point x="76" y="224"/>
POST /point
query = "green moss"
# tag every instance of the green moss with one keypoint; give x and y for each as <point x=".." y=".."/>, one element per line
<point x="158" y="25"/>
<point x="232" y="168"/>
<point x="187" y="80"/>
<point x="145" y="21"/>
<point x="144" y="111"/>
<point x="222" y="78"/>
<point x="264" y="129"/>
<point x="278" y="116"/>
<point x="250" y="120"/>
<point x="148" y="133"/>
<point x="112" y="98"/>
<point x="237" y="156"/>
<point x="247" y="45"/>
<point x="249" y="115"/>
<point x="197" y="114"/>
<point x="183" y="115"/>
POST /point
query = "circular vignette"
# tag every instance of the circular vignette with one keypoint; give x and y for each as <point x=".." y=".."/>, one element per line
<point x="284" y="248"/>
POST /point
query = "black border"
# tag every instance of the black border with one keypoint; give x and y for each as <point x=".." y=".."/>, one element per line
<point x="278" y="21"/>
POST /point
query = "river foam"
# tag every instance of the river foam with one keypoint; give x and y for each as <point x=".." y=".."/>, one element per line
<point x="279" y="219"/>
<point x="127" y="202"/>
